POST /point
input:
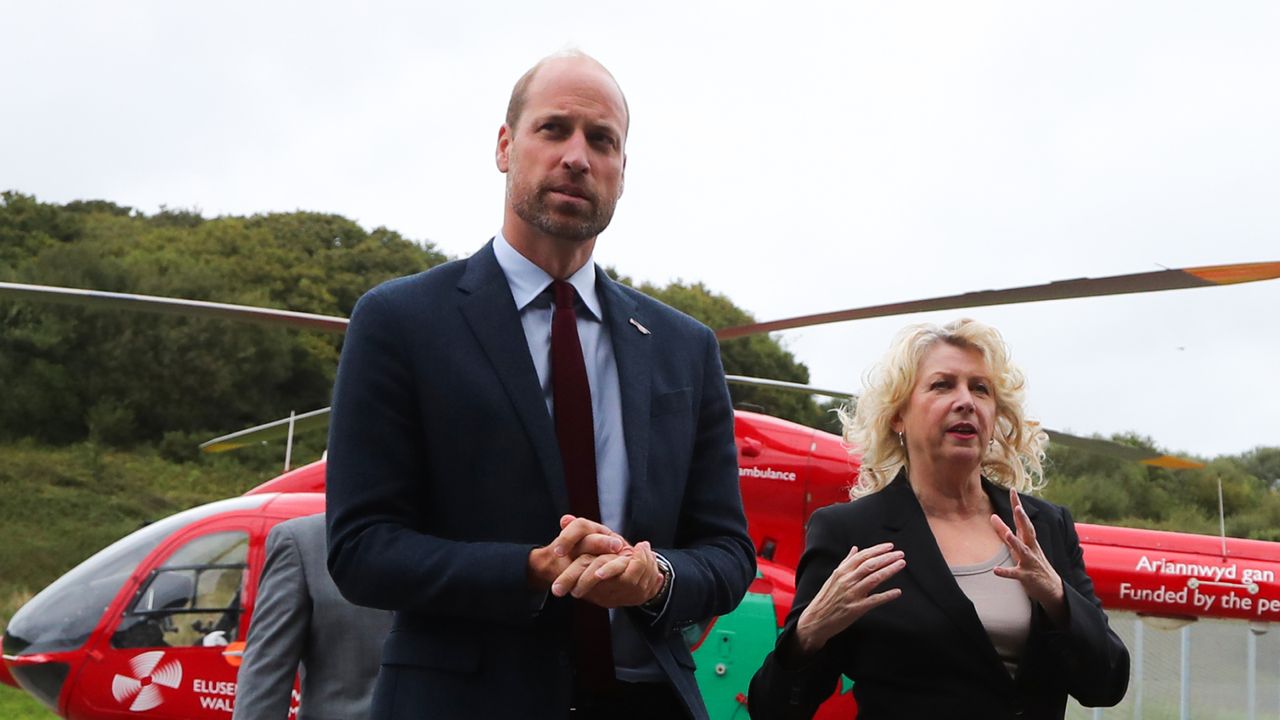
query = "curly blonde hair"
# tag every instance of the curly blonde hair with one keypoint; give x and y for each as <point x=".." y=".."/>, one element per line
<point x="1013" y="458"/>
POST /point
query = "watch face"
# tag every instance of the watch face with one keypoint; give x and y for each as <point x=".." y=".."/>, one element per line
<point x="655" y="602"/>
<point x="665" y="567"/>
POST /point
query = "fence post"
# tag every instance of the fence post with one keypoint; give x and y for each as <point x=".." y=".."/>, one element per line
<point x="1252" y="673"/>
<point x="1138" y="675"/>
<point x="1184" y="692"/>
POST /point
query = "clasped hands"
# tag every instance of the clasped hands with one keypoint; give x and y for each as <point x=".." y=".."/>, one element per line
<point x="593" y="563"/>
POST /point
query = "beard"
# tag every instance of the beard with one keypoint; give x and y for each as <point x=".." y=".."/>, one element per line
<point x="561" y="220"/>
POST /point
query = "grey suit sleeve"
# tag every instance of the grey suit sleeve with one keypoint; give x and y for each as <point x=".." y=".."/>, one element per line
<point x="277" y="635"/>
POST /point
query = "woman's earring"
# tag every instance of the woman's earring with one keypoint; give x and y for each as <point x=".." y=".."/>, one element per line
<point x="901" y="443"/>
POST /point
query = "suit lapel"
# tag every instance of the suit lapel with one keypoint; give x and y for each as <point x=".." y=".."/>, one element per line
<point x="909" y="531"/>
<point x="632" y="349"/>
<point x="491" y="313"/>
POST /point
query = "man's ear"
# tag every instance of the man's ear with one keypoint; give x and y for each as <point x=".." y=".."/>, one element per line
<point x="622" y="180"/>
<point x="502" y="156"/>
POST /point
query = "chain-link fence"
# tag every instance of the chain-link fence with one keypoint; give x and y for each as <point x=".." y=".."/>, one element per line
<point x="1204" y="670"/>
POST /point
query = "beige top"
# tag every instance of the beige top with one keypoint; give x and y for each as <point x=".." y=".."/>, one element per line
<point x="1002" y="605"/>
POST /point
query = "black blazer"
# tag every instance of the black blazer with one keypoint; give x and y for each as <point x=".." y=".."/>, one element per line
<point x="926" y="654"/>
<point x="444" y="472"/>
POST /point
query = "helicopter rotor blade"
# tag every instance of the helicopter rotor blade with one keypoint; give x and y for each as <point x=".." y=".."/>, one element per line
<point x="1203" y="276"/>
<point x="785" y="385"/>
<point x="173" y="306"/>
<point x="1124" y="452"/>
<point x="1095" y="445"/>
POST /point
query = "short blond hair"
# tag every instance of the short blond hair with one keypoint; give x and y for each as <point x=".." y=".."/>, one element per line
<point x="1013" y="460"/>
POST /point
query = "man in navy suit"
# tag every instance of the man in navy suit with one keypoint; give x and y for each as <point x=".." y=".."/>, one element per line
<point x="450" y="485"/>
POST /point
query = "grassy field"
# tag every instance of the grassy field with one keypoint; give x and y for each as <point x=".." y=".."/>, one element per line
<point x="17" y="705"/>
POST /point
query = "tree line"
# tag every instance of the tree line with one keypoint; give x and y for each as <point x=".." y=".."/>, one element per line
<point x="160" y="382"/>
<point x="120" y="378"/>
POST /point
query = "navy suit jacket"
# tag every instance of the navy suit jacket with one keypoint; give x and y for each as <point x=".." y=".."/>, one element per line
<point x="926" y="654"/>
<point x="444" y="472"/>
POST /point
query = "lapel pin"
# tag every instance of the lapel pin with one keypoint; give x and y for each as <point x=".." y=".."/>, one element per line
<point x="643" y="330"/>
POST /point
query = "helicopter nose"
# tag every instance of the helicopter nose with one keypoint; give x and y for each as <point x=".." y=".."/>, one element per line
<point x="5" y="677"/>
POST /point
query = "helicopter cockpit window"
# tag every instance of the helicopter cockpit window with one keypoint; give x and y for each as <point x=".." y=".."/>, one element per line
<point x="193" y="599"/>
<point x="65" y="614"/>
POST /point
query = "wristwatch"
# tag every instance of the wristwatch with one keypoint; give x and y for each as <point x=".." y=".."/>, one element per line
<point x="656" y="603"/>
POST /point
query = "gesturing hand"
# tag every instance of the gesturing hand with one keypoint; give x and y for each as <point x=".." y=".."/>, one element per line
<point x="847" y="595"/>
<point x="1033" y="570"/>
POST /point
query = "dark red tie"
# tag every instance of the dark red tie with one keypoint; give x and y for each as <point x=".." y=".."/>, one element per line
<point x="575" y="432"/>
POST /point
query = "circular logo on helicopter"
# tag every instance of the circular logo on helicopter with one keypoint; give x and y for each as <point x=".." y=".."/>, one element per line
<point x="149" y="672"/>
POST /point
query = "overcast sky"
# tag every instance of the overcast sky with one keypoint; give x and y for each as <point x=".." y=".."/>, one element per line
<point x="795" y="157"/>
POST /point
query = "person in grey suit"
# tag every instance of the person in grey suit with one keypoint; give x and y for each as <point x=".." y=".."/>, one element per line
<point x="301" y="621"/>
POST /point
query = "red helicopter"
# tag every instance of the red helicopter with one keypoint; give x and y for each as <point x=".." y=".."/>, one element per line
<point x="154" y="625"/>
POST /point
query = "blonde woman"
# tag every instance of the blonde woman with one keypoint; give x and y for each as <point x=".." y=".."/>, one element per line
<point x="942" y="590"/>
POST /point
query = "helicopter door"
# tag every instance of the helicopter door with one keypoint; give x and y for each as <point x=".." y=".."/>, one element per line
<point x="165" y="656"/>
